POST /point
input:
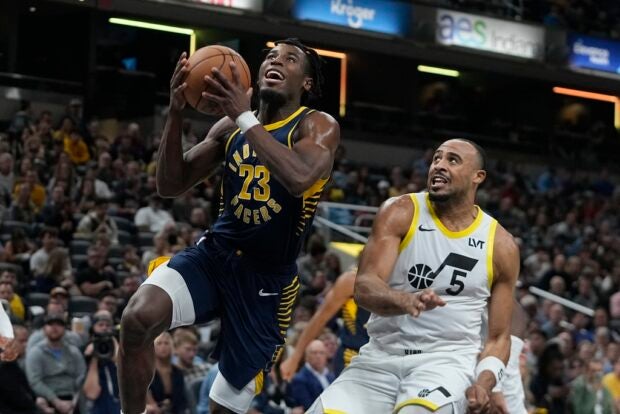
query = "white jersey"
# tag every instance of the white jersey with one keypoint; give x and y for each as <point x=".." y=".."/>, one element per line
<point x="458" y="266"/>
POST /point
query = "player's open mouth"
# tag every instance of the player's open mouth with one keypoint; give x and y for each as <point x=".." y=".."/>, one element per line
<point x="273" y="76"/>
<point x="438" y="181"/>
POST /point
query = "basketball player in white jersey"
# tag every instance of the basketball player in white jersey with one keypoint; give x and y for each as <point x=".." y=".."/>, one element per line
<point x="431" y="265"/>
<point x="8" y="345"/>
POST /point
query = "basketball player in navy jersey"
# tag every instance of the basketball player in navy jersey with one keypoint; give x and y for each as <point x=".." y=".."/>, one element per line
<point x="276" y="163"/>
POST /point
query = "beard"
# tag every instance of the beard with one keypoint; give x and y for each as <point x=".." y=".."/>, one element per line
<point x="272" y="98"/>
<point x="440" y="198"/>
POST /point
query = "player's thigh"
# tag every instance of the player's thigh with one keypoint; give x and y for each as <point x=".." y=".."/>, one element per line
<point x="231" y="398"/>
<point x="188" y="284"/>
<point x="436" y="380"/>
<point x="413" y="409"/>
<point x="368" y="385"/>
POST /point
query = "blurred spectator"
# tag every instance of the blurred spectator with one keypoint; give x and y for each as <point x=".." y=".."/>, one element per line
<point x="588" y="395"/>
<point x="556" y="317"/>
<point x="18" y="310"/>
<point x="38" y="336"/>
<point x="101" y="384"/>
<point x="97" y="221"/>
<point x="76" y="148"/>
<point x="612" y="382"/>
<point x="7" y="178"/>
<point x="49" y="241"/>
<point x="205" y="388"/>
<point x="17" y="396"/>
<point x="57" y="272"/>
<point x="152" y="217"/>
<point x="161" y="247"/>
<point x="22" y="208"/>
<point x="104" y="168"/>
<point x="167" y="390"/>
<point x="108" y="302"/>
<point x="95" y="277"/>
<point x="185" y="350"/>
<point x="19" y="248"/>
<point x="312" y="379"/>
<point x="311" y="261"/>
<point x="55" y="369"/>
<point x="37" y="191"/>
<point x="547" y="386"/>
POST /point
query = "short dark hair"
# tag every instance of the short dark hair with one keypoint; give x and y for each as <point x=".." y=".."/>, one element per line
<point x="314" y="67"/>
<point x="52" y="231"/>
<point x="482" y="154"/>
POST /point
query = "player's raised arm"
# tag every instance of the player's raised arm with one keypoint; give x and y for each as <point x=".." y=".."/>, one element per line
<point x="312" y="156"/>
<point x="494" y="357"/>
<point x="178" y="172"/>
<point x="377" y="262"/>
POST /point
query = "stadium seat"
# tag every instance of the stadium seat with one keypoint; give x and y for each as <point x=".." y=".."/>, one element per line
<point x="37" y="299"/>
<point x="124" y="237"/>
<point x="9" y="225"/>
<point x="145" y="239"/>
<point x="82" y="305"/>
<point x="79" y="247"/>
<point x="124" y="224"/>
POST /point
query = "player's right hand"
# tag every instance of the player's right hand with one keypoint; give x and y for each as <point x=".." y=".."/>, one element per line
<point x="498" y="400"/>
<point x="424" y="300"/>
<point x="288" y="368"/>
<point x="178" y="84"/>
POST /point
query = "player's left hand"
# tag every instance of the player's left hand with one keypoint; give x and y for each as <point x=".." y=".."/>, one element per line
<point x="8" y="349"/>
<point x="229" y="94"/>
<point x="478" y="400"/>
<point x="499" y="403"/>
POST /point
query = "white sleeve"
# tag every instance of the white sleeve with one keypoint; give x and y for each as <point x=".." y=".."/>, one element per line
<point x="6" y="329"/>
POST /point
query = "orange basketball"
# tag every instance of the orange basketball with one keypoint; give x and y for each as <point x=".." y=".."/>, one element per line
<point x="200" y="64"/>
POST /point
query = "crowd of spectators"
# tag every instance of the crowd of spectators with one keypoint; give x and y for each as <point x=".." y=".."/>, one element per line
<point x="81" y="221"/>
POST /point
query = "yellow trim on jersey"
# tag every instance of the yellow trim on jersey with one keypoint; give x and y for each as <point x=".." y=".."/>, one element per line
<point x="153" y="264"/>
<point x="490" y="245"/>
<point x="289" y="139"/>
<point x="413" y="225"/>
<point x="258" y="383"/>
<point x="416" y="401"/>
<point x="316" y="187"/>
<point x="332" y="411"/>
<point x="454" y="234"/>
<point x="276" y="125"/>
<point x="229" y="140"/>
<point x="348" y="355"/>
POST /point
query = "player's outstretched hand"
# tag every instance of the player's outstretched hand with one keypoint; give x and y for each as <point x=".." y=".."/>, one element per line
<point x="178" y="84"/>
<point x="478" y="401"/>
<point x="232" y="97"/>
<point x="424" y="300"/>
<point x="8" y="349"/>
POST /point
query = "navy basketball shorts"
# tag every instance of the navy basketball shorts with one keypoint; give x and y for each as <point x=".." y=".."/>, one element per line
<point x="253" y="300"/>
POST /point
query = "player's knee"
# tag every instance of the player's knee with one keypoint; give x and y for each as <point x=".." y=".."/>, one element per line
<point x="416" y="409"/>
<point x="215" y="408"/>
<point x="147" y="314"/>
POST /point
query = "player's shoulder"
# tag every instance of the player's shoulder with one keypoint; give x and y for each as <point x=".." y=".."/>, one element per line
<point x="396" y="213"/>
<point x="222" y="128"/>
<point x="505" y="245"/>
<point x="321" y="121"/>
<point x="403" y="202"/>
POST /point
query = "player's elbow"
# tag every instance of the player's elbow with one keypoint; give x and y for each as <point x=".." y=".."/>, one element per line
<point x="166" y="189"/>
<point x="296" y="185"/>
<point x="361" y="292"/>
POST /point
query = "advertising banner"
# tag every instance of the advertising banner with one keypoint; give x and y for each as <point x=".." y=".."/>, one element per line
<point x="253" y="5"/>
<point x="491" y="35"/>
<point x="594" y="53"/>
<point x="374" y="15"/>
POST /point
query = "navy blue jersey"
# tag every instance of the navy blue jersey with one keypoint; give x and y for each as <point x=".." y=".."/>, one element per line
<point x="257" y="214"/>
<point x="353" y="334"/>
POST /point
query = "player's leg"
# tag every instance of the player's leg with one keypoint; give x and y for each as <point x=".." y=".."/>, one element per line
<point x="433" y="381"/>
<point x="412" y="409"/>
<point x="148" y="314"/>
<point x="226" y="399"/>
<point x="162" y="302"/>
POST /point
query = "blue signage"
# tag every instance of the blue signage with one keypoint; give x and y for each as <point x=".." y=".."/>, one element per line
<point x="594" y="53"/>
<point x="375" y="15"/>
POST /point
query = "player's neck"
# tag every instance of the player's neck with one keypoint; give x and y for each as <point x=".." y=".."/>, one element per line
<point x="269" y="113"/>
<point x="456" y="215"/>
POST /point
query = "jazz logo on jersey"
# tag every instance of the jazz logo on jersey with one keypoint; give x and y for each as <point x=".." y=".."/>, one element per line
<point x="255" y="189"/>
<point x="421" y="276"/>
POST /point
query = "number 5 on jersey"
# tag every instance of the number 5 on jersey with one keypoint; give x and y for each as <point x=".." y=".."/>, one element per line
<point x="249" y="173"/>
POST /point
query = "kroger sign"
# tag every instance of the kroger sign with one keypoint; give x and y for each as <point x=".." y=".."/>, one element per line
<point x="375" y="15"/>
<point x="488" y="34"/>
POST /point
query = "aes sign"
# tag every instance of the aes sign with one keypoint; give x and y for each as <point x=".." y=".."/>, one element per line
<point x="488" y="34"/>
<point x="375" y="15"/>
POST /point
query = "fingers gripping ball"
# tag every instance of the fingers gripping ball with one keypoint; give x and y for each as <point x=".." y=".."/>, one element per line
<point x="200" y="64"/>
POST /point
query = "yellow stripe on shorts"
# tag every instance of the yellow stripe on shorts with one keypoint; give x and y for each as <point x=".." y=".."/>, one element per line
<point x="153" y="264"/>
<point x="417" y="401"/>
<point x="258" y="383"/>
